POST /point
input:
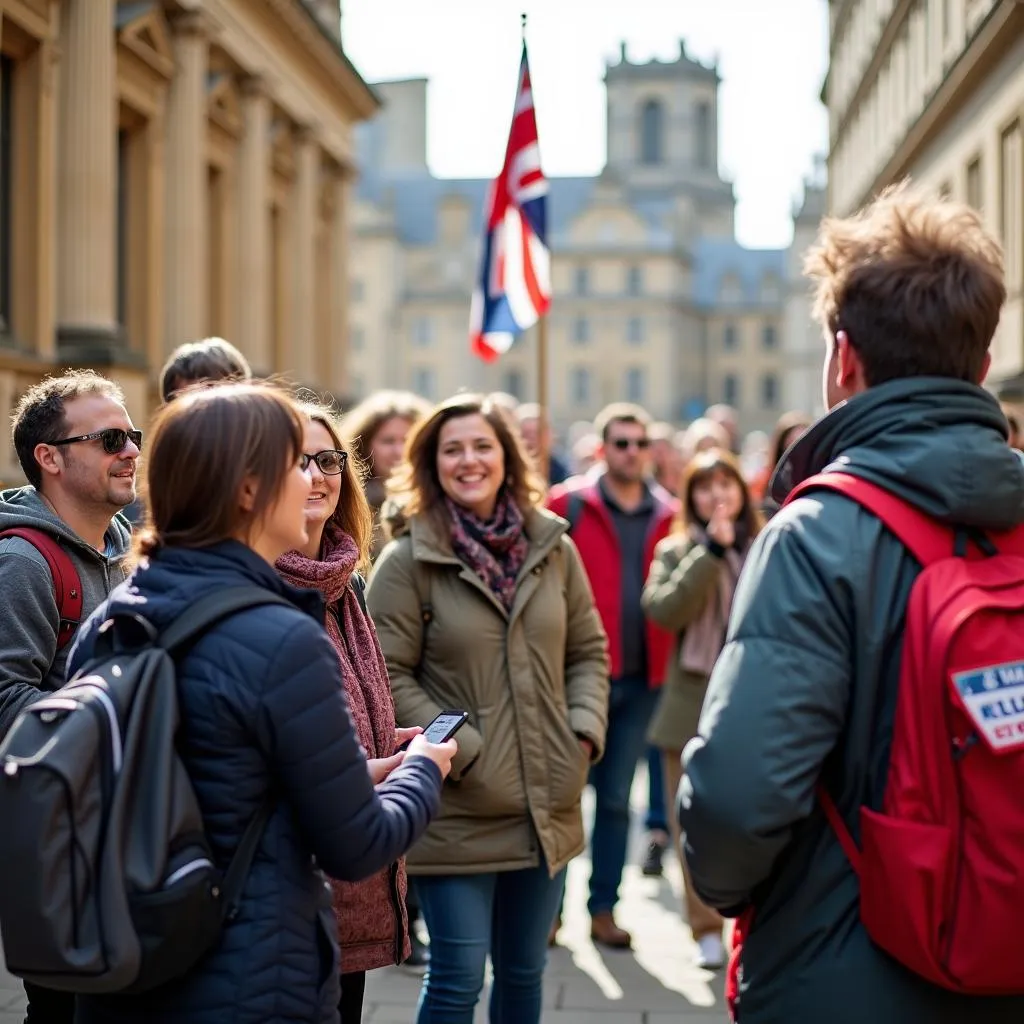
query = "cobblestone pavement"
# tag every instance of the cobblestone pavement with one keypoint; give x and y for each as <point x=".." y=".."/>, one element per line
<point x="655" y="983"/>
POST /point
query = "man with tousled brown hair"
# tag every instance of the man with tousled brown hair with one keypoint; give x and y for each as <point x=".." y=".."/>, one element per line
<point x="909" y="293"/>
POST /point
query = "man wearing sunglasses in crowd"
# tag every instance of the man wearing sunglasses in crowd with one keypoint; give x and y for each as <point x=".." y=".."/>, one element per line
<point x="62" y="532"/>
<point x="617" y="515"/>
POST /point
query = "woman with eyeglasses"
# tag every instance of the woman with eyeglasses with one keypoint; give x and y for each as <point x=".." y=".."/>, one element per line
<point x="263" y="717"/>
<point x="372" y="925"/>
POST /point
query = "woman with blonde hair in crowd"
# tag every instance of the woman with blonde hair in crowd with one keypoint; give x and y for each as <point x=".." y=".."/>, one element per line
<point x="483" y="606"/>
<point x="372" y="927"/>
<point x="689" y="591"/>
<point x="377" y="429"/>
<point x="263" y="717"/>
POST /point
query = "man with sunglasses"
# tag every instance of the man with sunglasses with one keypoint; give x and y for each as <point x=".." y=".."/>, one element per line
<point x="617" y="516"/>
<point x="78" y="449"/>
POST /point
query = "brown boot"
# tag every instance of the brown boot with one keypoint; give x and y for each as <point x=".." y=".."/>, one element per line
<point x="606" y="932"/>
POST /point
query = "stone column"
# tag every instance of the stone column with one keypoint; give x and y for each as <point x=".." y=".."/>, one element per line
<point x="339" y="378"/>
<point x="253" y="305"/>
<point x="307" y="178"/>
<point x="185" y="270"/>
<point x="87" y="329"/>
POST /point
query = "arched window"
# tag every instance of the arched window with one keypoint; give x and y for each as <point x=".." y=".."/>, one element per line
<point x="704" y="135"/>
<point x="652" y="118"/>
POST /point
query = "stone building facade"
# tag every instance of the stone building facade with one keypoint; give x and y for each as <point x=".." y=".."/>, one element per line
<point x="654" y="300"/>
<point x="934" y="89"/>
<point x="171" y="170"/>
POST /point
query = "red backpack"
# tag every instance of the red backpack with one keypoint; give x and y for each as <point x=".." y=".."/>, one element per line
<point x="941" y="865"/>
<point x="67" y="584"/>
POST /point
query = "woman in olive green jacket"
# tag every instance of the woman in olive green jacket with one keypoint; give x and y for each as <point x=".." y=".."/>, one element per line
<point x="689" y="591"/>
<point x="481" y="604"/>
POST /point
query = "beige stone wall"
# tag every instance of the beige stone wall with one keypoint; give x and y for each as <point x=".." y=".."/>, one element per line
<point x="174" y="173"/>
<point x="934" y="89"/>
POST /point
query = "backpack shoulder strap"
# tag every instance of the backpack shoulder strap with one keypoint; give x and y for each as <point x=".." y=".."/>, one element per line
<point x="241" y="861"/>
<point x="359" y="586"/>
<point x="927" y="540"/>
<point x="212" y="609"/>
<point x="67" y="584"/>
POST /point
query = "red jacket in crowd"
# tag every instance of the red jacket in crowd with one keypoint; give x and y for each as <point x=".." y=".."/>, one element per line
<point x="593" y="532"/>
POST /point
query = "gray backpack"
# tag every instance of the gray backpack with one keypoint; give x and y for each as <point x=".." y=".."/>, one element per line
<point x="108" y="881"/>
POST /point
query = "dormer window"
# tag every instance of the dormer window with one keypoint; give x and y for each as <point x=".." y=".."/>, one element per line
<point x="652" y="130"/>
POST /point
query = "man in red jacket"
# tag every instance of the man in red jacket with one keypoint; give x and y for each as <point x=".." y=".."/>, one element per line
<point x="617" y="516"/>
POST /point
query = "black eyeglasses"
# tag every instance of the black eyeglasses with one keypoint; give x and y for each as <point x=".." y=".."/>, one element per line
<point x="330" y="462"/>
<point x="622" y="443"/>
<point x="114" y="439"/>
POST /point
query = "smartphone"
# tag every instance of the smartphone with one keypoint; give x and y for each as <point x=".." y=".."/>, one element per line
<point x="442" y="728"/>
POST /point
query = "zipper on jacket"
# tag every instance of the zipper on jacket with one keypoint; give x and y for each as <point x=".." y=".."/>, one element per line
<point x="396" y="906"/>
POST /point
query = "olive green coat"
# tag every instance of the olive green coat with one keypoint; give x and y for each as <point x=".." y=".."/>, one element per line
<point x="683" y="577"/>
<point x="532" y="681"/>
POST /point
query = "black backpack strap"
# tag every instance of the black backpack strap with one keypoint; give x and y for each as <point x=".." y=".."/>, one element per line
<point x="241" y="862"/>
<point x="212" y="609"/>
<point x="359" y="586"/>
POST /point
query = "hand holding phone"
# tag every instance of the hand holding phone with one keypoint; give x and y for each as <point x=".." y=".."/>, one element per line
<point x="442" y="728"/>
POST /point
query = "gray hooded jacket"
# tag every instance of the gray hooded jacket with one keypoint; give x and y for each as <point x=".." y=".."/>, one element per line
<point x="805" y="689"/>
<point x="29" y="659"/>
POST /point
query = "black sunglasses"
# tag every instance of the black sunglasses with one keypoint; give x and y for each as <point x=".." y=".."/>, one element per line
<point x="330" y="462"/>
<point x="622" y="443"/>
<point x="114" y="439"/>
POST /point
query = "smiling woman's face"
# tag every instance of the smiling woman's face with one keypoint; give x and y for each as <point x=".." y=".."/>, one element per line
<point x="471" y="464"/>
<point x="324" y="490"/>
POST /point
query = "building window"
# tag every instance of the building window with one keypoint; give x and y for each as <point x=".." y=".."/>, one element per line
<point x="770" y="291"/>
<point x="769" y="391"/>
<point x="636" y="385"/>
<point x="580" y="385"/>
<point x="357" y="290"/>
<point x="424" y="382"/>
<point x="768" y="338"/>
<point x="729" y="339"/>
<point x="731" y="389"/>
<point x="358" y="387"/>
<point x="634" y="281"/>
<point x="1011" y="202"/>
<point x="358" y="339"/>
<point x="652" y="124"/>
<point x="581" y="330"/>
<point x="703" y="135"/>
<point x="422" y="331"/>
<point x="974" y="183"/>
<point x="219" y="251"/>
<point x="635" y="330"/>
<point x="513" y="384"/>
<point x="6" y="194"/>
<point x="581" y="281"/>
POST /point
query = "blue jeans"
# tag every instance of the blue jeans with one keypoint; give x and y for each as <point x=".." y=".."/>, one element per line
<point x="506" y="914"/>
<point x="656" y="820"/>
<point x="630" y="706"/>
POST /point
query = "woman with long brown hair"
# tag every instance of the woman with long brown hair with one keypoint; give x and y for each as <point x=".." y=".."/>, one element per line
<point x="689" y="591"/>
<point x="483" y="606"/>
<point x="372" y="927"/>
<point x="263" y="714"/>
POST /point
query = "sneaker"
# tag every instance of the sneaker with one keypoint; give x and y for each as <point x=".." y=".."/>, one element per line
<point x="420" y="955"/>
<point x="652" y="866"/>
<point x="710" y="952"/>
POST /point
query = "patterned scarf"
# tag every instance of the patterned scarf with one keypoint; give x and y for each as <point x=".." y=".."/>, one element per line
<point x="351" y="631"/>
<point x="495" y="550"/>
<point x="705" y="636"/>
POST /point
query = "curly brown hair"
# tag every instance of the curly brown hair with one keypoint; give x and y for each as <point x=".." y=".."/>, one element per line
<point x="915" y="282"/>
<point x="361" y="423"/>
<point x="415" y="485"/>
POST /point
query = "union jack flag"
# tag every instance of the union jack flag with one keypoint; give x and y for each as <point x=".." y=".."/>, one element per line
<point x="513" y="286"/>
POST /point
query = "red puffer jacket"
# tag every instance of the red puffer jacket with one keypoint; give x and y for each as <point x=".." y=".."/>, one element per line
<point x="593" y="531"/>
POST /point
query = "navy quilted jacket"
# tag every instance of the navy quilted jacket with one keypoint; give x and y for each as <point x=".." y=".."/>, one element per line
<point x="263" y="706"/>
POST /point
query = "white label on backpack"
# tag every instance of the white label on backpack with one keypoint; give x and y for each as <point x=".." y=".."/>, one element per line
<point x="994" y="698"/>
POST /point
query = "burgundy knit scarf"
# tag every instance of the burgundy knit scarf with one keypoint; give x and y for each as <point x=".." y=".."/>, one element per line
<point x="351" y="631"/>
<point x="495" y="550"/>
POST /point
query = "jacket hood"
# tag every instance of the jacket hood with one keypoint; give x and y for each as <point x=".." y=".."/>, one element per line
<point x="938" y="443"/>
<point x="23" y="506"/>
<point x="174" y="578"/>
